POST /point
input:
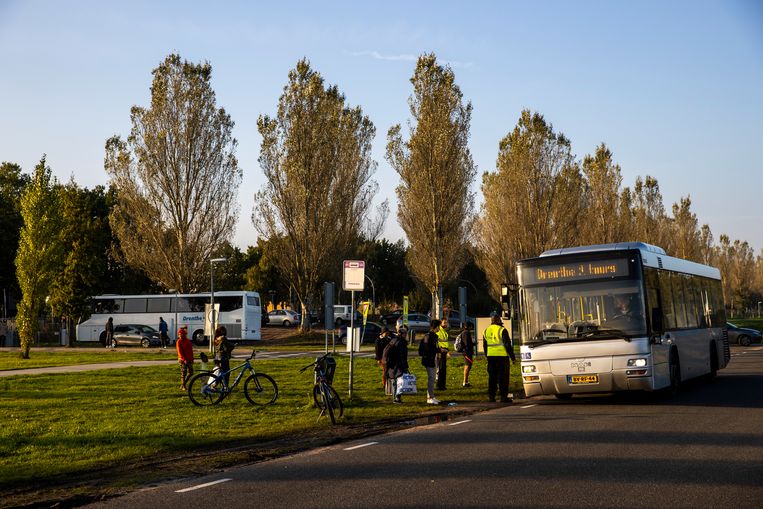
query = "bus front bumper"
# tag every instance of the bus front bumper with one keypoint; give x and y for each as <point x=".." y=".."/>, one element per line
<point x="538" y="384"/>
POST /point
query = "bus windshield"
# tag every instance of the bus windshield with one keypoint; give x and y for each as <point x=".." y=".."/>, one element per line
<point x="583" y="311"/>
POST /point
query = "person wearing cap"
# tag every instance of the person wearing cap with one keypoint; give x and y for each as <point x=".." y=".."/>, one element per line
<point x="185" y="357"/>
<point x="379" y="345"/>
<point x="498" y="349"/>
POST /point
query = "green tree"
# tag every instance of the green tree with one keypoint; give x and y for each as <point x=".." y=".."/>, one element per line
<point x="12" y="185"/>
<point x="435" y="205"/>
<point x="533" y="202"/>
<point x="650" y="223"/>
<point x="316" y="156"/>
<point x="686" y="233"/>
<point x="602" y="223"/>
<point x="385" y="266"/>
<point x="86" y="238"/>
<point x="40" y="252"/>
<point x="176" y="177"/>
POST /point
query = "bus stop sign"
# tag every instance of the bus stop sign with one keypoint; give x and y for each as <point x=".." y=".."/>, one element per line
<point x="353" y="275"/>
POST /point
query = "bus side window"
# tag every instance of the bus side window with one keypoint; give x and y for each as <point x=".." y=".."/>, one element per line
<point x="666" y="292"/>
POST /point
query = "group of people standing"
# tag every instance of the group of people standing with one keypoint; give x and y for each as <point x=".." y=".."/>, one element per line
<point x="392" y="356"/>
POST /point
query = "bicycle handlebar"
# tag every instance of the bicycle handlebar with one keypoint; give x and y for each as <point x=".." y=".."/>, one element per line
<point x="315" y="362"/>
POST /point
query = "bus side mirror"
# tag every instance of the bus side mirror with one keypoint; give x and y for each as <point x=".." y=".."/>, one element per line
<point x="656" y="321"/>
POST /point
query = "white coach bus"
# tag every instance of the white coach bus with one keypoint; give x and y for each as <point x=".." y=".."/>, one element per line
<point x="239" y="312"/>
<point x="618" y="317"/>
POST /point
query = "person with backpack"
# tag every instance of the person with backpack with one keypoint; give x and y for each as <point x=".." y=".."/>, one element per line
<point x="395" y="359"/>
<point x="428" y="350"/>
<point x="465" y="345"/>
<point x="379" y="345"/>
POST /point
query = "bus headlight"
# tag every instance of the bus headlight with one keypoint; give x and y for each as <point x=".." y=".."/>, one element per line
<point x="636" y="363"/>
<point x="529" y="369"/>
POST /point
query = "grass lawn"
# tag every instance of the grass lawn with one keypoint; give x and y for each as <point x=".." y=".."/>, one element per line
<point x="68" y="424"/>
<point x="66" y="357"/>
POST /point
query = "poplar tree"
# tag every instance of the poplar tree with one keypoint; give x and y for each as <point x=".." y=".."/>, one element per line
<point x="436" y="172"/>
<point x="602" y="224"/>
<point x="314" y="205"/>
<point x="40" y="253"/>
<point x="533" y="200"/>
<point x="176" y="178"/>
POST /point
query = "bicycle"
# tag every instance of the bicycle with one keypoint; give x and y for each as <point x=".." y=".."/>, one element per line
<point x="209" y="388"/>
<point x="324" y="395"/>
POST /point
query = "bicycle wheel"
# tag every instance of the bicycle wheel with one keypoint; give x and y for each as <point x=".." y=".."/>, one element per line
<point x="206" y="389"/>
<point x="260" y="389"/>
<point x="336" y="402"/>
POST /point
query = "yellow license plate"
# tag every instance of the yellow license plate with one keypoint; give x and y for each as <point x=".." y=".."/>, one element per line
<point x="583" y="379"/>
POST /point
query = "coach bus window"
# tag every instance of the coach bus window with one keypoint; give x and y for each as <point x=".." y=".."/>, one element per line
<point x="229" y="303"/>
<point x="160" y="304"/>
<point x="108" y="306"/>
<point x="135" y="306"/>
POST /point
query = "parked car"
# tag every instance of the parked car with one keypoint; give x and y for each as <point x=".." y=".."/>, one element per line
<point x="391" y="318"/>
<point x="369" y="335"/>
<point x="454" y="319"/>
<point x="416" y="322"/>
<point x="742" y="336"/>
<point x="130" y="334"/>
<point x="285" y="317"/>
<point x="342" y="314"/>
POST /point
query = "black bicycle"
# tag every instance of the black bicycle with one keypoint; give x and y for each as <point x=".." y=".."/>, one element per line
<point x="210" y="388"/>
<point x="325" y="397"/>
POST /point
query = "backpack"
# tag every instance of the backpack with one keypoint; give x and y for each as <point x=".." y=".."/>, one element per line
<point x="459" y="344"/>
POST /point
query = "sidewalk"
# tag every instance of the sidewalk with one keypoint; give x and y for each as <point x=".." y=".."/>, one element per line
<point x="83" y="367"/>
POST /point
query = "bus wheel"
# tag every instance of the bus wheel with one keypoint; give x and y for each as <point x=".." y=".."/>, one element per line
<point x="102" y="339"/>
<point x="674" y="367"/>
<point x="713" y="361"/>
<point x="198" y="337"/>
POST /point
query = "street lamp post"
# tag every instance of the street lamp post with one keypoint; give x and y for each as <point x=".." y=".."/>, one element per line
<point x="212" y="263"/>
<point x="759" y="305"/>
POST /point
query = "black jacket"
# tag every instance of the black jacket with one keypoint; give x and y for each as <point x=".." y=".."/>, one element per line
<point x="428" y="350"/>
<point x="395" y="357"/>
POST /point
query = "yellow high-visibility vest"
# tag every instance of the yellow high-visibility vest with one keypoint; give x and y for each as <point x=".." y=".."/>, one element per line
<point x="442" y="338"/>
<point x="493" y="335"/>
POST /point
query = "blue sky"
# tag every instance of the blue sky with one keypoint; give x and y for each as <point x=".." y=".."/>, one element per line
<point x="675" y="89"/>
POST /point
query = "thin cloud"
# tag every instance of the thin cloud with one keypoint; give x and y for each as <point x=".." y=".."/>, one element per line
<point x="407" y="58"/>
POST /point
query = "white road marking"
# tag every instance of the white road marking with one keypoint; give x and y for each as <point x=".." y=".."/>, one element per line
<point x="529" y="406"/>
<point x="459" y="422"/>
<point x="203" y="485"/>
<point x="360" y="446"/>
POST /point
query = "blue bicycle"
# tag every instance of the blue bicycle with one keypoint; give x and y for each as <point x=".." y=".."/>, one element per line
<point x="210" y="388"/>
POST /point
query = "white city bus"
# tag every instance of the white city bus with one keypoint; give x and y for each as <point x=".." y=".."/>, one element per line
<point x="239" y="312"/>
<point x="618" y="317"/>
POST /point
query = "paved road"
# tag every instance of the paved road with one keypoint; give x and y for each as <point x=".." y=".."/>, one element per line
<point x="703" y="448"/>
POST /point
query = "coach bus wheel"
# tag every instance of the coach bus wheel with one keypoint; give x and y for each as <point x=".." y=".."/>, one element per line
<point x="198" y="337"/>
<point x="102" y="339"/>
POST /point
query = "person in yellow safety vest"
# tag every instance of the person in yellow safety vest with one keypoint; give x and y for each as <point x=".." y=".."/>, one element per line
<point x="498" y="349"/>
<point x="442" y="354"/>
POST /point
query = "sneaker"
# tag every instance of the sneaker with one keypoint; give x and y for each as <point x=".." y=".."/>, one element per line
<point x="433" y="401"/>
<point x="397" y="400"/>
<point x="467" y="384"/>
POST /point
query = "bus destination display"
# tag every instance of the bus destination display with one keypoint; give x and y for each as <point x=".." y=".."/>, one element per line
<point x="564" y="272"/>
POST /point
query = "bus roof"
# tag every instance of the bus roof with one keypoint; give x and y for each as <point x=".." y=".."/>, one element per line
<point x="651" y="256"/>
<point x="221" y="293"/>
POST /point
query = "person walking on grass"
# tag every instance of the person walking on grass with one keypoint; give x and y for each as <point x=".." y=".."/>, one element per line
<point x="185" y="357"/>
<point x="499" y="350"/>
<point x="110" y="333"/>
<point x="395" y="359"/>
<point x="163" y="337"/>
<point x="468" y="351"/>
<point x="428" y="352"/>
<point x="379" y="345"/>
<point x="443" y="348"/>
<point x="224" y="349"/>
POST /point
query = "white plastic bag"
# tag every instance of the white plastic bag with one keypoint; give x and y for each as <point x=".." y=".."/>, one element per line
<point x="406" y="384"/>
